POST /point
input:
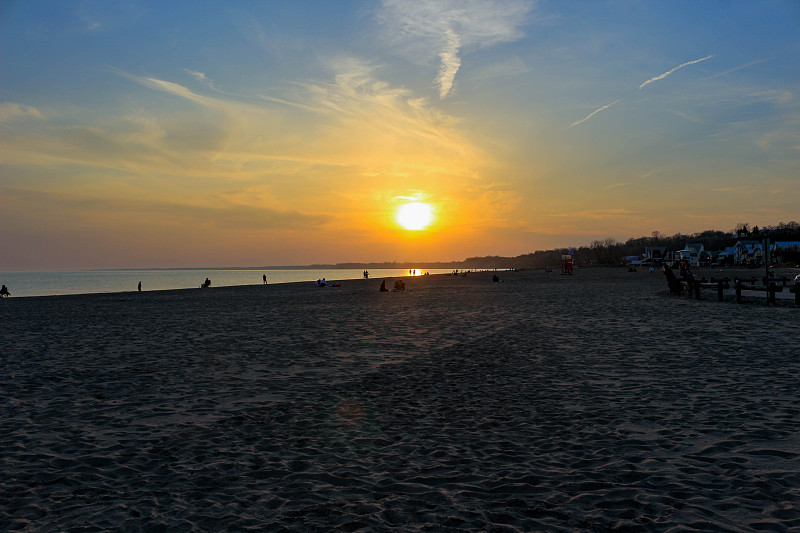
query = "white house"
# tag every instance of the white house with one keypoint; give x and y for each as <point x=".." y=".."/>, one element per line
<point x="691" y="253"/>
<point x="748" y="252"/>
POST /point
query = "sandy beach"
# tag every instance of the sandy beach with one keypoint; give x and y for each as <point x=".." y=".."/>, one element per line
<point x="595" y="402"/>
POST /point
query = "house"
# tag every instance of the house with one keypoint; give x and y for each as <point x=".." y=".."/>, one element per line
<point x="693" y="253"/>
<point x="726" y="256"/>
<point x="656" y="255"/>
<point x="748" y="253"/>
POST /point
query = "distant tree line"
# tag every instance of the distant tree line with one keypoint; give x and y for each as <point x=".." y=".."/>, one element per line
<point x="603" y="252"/>
<point x="609" y="251"/>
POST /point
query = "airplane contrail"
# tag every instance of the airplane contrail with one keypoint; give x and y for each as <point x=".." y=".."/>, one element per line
<point x="667" y="73"/>
<point x="593" y="113"/>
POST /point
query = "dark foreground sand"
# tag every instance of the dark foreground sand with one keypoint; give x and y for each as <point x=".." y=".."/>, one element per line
<point x="544" y="403"/>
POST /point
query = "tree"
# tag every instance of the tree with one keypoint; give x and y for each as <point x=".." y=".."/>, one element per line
<point x="605" y="251"/>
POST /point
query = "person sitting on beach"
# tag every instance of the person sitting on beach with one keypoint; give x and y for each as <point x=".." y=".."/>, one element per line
<point x="383" y="286"/>
<point x="206" y="284"/>
<point x="399" y="285"/>
<point x="495" y="278"/>
<point x="4" y="292"/>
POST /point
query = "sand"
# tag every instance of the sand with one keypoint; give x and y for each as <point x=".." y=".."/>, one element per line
<point x="595" y="402"/>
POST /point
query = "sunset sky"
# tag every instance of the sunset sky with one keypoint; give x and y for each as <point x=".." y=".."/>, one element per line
<point x="182" y="134"/>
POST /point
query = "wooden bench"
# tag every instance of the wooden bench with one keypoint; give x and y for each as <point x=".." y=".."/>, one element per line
<point x="770" y="289"/>
<point x="695" y="285"/>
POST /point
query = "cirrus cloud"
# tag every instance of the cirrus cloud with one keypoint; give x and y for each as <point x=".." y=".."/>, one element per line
<point x="443" y="29"/>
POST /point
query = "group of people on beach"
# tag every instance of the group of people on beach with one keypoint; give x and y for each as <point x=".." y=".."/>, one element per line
<point x="399" y="286"/>
<point x="4" y="292"/>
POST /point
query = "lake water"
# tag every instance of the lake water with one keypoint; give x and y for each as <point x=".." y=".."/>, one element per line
<point x="96" y="281"/>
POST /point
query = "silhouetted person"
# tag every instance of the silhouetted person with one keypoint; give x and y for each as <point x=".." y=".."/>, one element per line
<point x="673" y="282"/>
<point x="265" y="279"/>
<point x="686" y="273"/>
<point x="140" y="286"/>
<point x="366" y="274"/>
<point x="4" y="292"/>
<point x="383" y="286"/>
<point x="495" y="278"/>
<point x="399" y="285"/>
<point x="206" y="284"/>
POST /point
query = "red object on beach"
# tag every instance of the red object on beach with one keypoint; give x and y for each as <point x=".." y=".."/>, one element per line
<point x="566" y="264"/>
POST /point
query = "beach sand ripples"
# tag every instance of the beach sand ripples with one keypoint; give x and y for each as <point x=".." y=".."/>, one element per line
<point x="585" y="404"/>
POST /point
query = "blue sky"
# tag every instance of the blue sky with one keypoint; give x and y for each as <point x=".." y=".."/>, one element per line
<point x="145" y="134"/>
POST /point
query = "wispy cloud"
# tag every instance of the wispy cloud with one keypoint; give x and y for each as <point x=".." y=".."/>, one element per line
<point x="355" y="127"/>
<point x="634" y="181"/>
<point x="223" y="214"/>
<point x="651" y="80"/>
<point x="595" y="214"/>
<point x="10" y="111"/>
<point x="593" y="113"/>
<point x="510" y="67"/>
<point x="686" y="116"/>
<point x="746" y="65"/>
<point x="445" y="28"/>
<point x="200" y="76"/>
<point x="667" y="73"/>
<point x="450" y="63"/>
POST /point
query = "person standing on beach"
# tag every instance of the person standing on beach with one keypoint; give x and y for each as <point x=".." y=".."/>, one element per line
<point x="265" y="279"/>
<point x="140" y="286"/>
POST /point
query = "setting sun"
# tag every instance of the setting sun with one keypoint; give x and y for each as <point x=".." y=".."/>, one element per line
<point x="415" y="216"/>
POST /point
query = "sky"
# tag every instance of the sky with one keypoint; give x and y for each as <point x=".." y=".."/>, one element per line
<point x="196" y="134"/>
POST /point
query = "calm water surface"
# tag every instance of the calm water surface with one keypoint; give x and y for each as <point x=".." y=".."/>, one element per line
<point x="94" y="281"/>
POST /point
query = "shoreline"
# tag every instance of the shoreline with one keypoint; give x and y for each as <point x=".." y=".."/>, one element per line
<point x="708" y="272"/>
